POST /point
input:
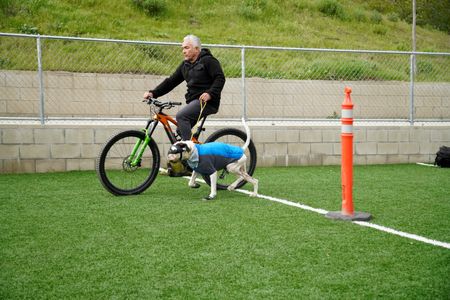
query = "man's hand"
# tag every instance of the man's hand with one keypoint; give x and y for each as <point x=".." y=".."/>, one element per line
<point x="148" y="95"/>
<point x="205" y="97"/>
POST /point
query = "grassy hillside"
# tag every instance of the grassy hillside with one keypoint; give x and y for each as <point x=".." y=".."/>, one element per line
<point x="345" y="24"/>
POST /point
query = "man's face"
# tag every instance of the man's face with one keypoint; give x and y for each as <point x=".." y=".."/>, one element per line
<point x="190" y="53"/>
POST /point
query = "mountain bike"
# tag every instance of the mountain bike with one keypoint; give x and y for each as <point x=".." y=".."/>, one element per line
<point x="129" y="161"/>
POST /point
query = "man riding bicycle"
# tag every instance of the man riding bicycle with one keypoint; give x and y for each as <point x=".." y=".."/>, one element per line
<point x="205" y="80"/>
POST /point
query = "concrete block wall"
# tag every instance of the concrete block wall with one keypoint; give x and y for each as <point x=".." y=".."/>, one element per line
<point x="51" y="148"/>
<point x="117" y="95"/>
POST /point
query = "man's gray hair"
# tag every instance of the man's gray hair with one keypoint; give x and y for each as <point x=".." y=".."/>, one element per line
<point x="194" y="40"/>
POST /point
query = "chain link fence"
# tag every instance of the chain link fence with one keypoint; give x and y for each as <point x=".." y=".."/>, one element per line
<point x="60" y="77"/>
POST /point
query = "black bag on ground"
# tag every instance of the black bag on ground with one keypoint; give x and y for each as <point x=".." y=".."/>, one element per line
<point x="443" y="157"/>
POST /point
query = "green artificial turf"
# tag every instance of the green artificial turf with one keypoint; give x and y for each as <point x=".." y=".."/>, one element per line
<point x="63" y="236"/>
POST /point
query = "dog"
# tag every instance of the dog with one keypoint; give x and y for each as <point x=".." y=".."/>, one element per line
<point x="207" y="159"/>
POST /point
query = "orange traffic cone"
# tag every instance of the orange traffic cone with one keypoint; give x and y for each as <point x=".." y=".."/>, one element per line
<point x="347" y="212"/>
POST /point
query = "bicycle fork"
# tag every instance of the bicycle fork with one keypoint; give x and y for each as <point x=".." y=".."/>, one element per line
<point x="138" y="150"/>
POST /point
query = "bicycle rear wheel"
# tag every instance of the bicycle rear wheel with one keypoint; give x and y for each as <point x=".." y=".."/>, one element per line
<point x="234" y="137"/>
<point x="116" y="170"/>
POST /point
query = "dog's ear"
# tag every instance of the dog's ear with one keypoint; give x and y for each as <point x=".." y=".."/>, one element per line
<point x="184" y="146"/>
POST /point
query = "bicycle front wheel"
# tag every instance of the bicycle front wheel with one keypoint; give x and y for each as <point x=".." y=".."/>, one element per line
<point x="234" y="137"/>
<point x="124" y="167"/>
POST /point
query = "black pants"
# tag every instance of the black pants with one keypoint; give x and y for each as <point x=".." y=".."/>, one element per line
<point x="187" y="117"/>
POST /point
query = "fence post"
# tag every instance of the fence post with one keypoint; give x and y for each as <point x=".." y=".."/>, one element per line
<point x="347" y="212"/>
<point x="411" y="89"/>
<point x="41" y="81"/>
<point x="243" y="87"/>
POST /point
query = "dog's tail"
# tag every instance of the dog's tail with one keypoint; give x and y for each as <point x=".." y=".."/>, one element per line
<point x="247" y="131"/>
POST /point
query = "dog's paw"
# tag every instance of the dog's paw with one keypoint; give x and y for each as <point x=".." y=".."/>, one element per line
<point x="253" y="194"/>
<point x="195" y="186"/>
<point x="231" y="188"/>
<point x="208" y="198"/>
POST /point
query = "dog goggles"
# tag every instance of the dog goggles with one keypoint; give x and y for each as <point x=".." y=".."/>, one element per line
<point x="177" y="148"/>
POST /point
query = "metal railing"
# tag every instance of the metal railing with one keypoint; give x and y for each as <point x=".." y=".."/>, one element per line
<point x="69" y="77"/>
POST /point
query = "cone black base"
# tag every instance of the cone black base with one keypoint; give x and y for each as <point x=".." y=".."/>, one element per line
<point x="357" y="216"/>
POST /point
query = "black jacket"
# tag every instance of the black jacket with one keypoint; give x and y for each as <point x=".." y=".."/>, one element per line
<point x="204" y="75"/>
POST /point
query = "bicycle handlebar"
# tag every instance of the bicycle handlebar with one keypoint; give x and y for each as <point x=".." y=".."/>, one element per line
<point x="157" y="103"/>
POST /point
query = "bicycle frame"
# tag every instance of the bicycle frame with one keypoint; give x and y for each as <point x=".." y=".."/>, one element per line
<point x="159" y="117"/>
<point x="165" y="121"/>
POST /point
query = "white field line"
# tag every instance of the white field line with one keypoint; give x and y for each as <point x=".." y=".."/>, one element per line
<point x="404" y="234"/>
<point x="286" y="202"/>
<point x="361" y="223"/>
<point x="426" y="165"/>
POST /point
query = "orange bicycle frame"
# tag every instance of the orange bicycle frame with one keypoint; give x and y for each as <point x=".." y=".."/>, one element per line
<point x="165" y="121"/>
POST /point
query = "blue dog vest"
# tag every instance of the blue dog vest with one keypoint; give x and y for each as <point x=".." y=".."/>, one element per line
<point x="210" y="157"/>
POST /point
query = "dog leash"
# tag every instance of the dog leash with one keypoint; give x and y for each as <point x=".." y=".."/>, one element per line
<point x="202" y="107"/>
